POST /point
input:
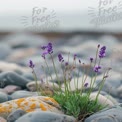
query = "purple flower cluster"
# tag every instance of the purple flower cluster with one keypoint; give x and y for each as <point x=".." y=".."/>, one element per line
<point x="47" y="49"/>
<point x="102" y="52"/>
<point x="97" y="68"/>
<point x="31" y="64"/>
<point x="60" y="58"/>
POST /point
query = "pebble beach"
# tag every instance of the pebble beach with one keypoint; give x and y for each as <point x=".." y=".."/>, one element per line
<point x="19" y="100"/>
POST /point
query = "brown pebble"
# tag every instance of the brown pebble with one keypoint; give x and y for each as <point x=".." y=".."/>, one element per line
<point x="2" y="119"/>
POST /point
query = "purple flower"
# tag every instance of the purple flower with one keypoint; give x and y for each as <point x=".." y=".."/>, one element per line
<point x="86" y="84"/>
<point x="102" y="52"/>
<point x="75" y="55"/>
<point x="79" y="61"/>
<point x="66" y="64"/>
<point x="50" y="48"/>
<point x="47" y="49"/>
<point x="91" y="59"/>
<point x="97" y="68"/>
<point x="43" y="47"/>
<point x="44" y="53"/>
<point x="98" y="45"/>
<point x="103" y="48"/>
<point x="31" y="65"/>
<point x="60" y="57"/>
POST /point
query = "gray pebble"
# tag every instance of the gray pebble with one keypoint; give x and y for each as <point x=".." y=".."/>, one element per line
<point x="5" y="51"/>
<point x="22" y="94"/>
<point x="3" y="97"/>
<point x="12" y="78"/>
<point x="109" y="115"/>
<point x="40" y="116"/>
<point x="15" y="115"/>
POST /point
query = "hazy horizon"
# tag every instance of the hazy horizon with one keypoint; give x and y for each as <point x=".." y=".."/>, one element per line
<point x="71" y="15"/>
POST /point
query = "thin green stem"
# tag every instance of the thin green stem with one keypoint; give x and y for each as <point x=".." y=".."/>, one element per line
<point x="78" y="77"/>
<point x="48" y="70"/>
<point x="102" y="84"/>
<point x="49" y="73"/>
<point x="82" y="78"/>
<point x="64" y="74"/>
<point x="54" y="66"/>
<point x="35" y="78"/>
<point x="96" y="57"/>
<point x="56" y="72"/>
<point x="69" y="72"/>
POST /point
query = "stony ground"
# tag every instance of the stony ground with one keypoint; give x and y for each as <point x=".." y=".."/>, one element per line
<point x="19" y="101"/>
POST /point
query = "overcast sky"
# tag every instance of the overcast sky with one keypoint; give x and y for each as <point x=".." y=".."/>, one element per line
<point x="58" y="5"/>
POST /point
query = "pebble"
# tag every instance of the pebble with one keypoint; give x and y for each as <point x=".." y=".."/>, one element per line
<point x="40" y="116"/>
<point x="30" y="104"/>
<point x="12" y="78"/>
<point x="5" y="66"/>
<point x="103" y="100"/>
<point x="116" y="58"/>
<point x="80" y="49"/>
<point x="15" y="115"/>
<point x="5" y="51"/>
<point x="109" y="115"/>
<point x="119" y="90"/>
<point x="28" y="76"/>
<point x="3" y="97"/>
<point x="20" y="40"/>
<point x="19" y="54"/>
<point x="9" y="89"/>
<point x="71" y="41"/>
<point x="113" y="81"/>
<point x="2" y="119"/>
<point x="104" y="41"/>
<point x="23" y="94"/>
<point x="49" y="86"/>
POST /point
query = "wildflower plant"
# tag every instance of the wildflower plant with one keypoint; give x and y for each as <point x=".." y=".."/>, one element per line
<point x="76" y="103"/>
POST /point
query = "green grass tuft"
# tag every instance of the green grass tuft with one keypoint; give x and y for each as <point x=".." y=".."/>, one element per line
<point x="75" y="104"/>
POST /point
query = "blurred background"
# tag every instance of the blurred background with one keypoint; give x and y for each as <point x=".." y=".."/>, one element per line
<point x="61" y="16"/>
<point x="75" y="26"/>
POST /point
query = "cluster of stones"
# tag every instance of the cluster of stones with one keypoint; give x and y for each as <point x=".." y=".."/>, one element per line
<point x="19" y="101"/>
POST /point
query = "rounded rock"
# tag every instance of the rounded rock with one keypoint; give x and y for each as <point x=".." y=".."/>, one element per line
<point x="4" y="66"/>
<point x="3" y="97"/>
<point x="11" y="88"/>
<point x="30" y="104"/>
<point x="43" y="85"/>
<point x="40" y="116"/>
<point x="2" y="119"/>
<point x="12" y="78"/>
<point x="107" y="115"/>
<point x="23" y="94"/>
<point x="15" y="115"/>
<point x="103" y="100"/>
